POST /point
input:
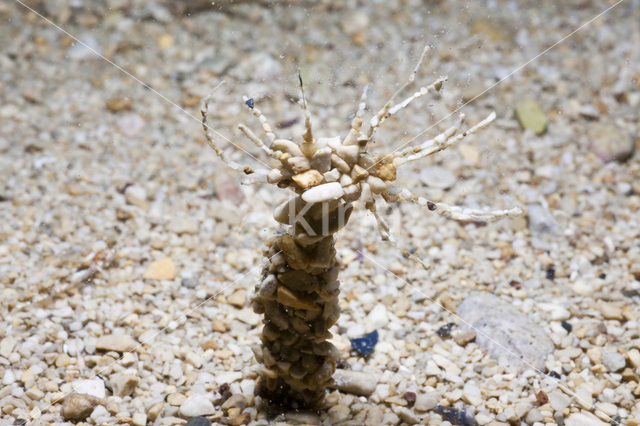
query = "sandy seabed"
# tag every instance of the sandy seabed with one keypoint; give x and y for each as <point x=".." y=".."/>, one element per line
<point x="129" y="252"/>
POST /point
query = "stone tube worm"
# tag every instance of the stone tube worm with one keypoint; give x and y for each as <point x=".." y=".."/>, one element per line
<point x="299" y="288"/>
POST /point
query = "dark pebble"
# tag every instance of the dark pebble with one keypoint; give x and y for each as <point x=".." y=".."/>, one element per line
<point x="541" y="398"/>
<point x="249" y="103"/>
<point x="198" y="421"/>
<point x="631" y="293"/>
<point x="445" y="330"/>
<point x="189" y="282"/>
<point x="516" y="284"/>
<point x="554" y="374"/>
<point x="410" y="397"/>
<point x="364" y="345"/>
<point x="603" y="276"/>
<point x="225" y="393"/>
<point x="20" y="422"/>
<point x="566" y="326"/>
<point x="551" y="272"/>
<point x="455" y="415"/>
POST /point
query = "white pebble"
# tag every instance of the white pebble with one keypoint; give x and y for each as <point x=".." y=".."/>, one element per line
<point x="614" y="361"/>
<point x="377" y="318"/>
<point x="196" y="405"/>
<point x="93" y="387"/>
<point x="321" y="193"/>
<point x="426" y="401"/>
<point x="8" y="377"/>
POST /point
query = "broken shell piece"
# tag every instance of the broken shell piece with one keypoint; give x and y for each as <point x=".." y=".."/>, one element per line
<point x="340" y="164"/>
<point x="309" y="178"/>
<point x="321" y="160"/>
<point x="321" y="193"/>
<point x="299" y="164"/>
<point x="358" y="173"/>
<point x="285" y="145"/>
<point x="332" y="175"/>
<point x="348" y="153"/>
<point x="377" y="185"/>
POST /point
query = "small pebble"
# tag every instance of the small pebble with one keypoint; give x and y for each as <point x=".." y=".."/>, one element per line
<point x="238" y="298"/>
<point x="541" y="221"/>
<point x="613" y="361"/>
<point x="119" y="104"/>
<point x="93" y="387"/>
<point x="78" y="407"/>
<point x="610" y="143"/>
<point x="471" y="394"/>
<point x="426" y="401"/>
<point x="196" y="405"/>
<point x="6" y="346"/>
<point x="455" y="415"/>
<point x="583" y="419"/>
<point x="162" y="269"/>
<point x="322" y="193"/>
<point x="541" y="398"/>
<point x="462" y="337"/>
<point x="445" y="330"/>
<point x="338" y="413"/>
<point x="550" y="272"/>
<point x="410" y="397"/>
<point x="116" y="342"/>
<point x="559" y="401"/>
<point x="136" y="196"/>
<point x="189" y="282"/>
<point x="123" y="384"/>
<point x="589" y="112"/>
<point x="139" y="419"/>
<point x="131" y="124"/>
<point x="355" y="382"/>
<point x="198" y="421"/>
<point x="377" y="318"/>
<point x="531" y="117"/>
<point x="8" y="377"/>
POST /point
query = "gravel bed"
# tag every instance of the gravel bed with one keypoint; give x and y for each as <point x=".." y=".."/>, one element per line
<point x="128" y="251"/>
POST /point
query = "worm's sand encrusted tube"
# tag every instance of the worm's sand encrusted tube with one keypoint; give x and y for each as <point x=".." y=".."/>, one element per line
<point x="298" y="296"/>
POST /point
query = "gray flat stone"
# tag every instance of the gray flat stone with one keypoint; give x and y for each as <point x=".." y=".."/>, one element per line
<point x="504" y="331"/>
